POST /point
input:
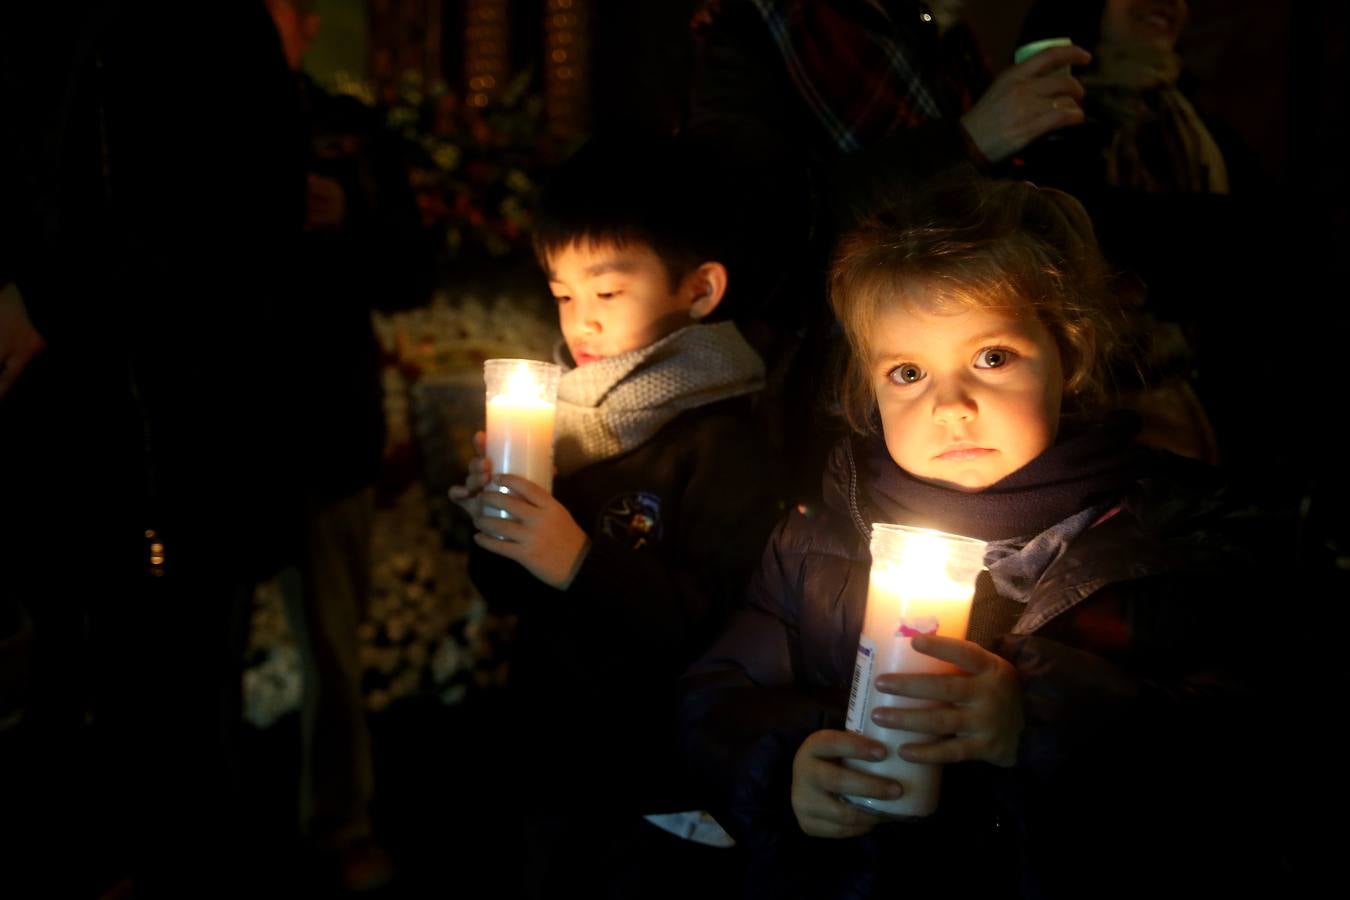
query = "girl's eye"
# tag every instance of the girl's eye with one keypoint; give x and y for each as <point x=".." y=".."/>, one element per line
<point x="561" y="298"/>
<point x="993" y="358"/>
<point x="607" y="295"/>
<point x="906" y="373"/>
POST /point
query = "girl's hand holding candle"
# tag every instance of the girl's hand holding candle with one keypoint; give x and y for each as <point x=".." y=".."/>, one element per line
<point x="981" y="713"/>
<point x="980" y="719"/>
<point x="819" y="777"/>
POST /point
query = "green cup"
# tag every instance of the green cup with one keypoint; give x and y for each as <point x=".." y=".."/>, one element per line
<point x="1027" y="51"/>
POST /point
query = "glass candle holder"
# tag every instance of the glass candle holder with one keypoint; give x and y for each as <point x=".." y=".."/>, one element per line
<point x="522" y="402"/>
<point x="921" y="582"/>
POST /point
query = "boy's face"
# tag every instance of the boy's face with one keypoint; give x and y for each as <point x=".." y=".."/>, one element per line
<point x="966" y="398"/>
<point x="613" y="299"/>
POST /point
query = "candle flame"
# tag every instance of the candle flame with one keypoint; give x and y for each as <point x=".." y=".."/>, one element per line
<point x="922" y="568"/>
<point x="521" y="384"/>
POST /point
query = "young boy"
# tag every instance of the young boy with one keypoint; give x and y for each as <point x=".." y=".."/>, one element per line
<point x="661" y="503"/>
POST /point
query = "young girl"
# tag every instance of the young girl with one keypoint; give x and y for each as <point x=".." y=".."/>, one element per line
<point x="1084" y="735"/>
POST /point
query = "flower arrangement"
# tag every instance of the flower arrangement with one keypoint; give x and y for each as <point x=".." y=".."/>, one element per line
<point x="433" y="381"/>
<point x="475" y="172"/>
<point x="273" y="681"/>
<point x="474" y="169"/>
<point x="426" y="631"/>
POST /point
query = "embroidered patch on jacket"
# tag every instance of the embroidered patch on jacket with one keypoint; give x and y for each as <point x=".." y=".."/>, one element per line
<point x="632" y="519"/>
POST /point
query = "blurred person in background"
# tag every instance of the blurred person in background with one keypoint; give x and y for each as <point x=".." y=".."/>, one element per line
<point x="363" y="248"/>
<point x="152" y="187"/>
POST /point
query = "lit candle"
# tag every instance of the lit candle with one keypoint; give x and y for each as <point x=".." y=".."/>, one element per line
<point x="522" y="399"/>
<point x="922" y="582"/>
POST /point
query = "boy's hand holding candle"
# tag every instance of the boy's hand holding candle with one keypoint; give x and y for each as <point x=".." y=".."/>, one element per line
<point x="469" y="496"/>
<point x="981" y="716"/>
<point x="541" y="534"/>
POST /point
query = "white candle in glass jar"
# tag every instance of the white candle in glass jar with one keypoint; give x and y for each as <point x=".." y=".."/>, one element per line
<point x="922" y="582"/>
<point x="522" y="402"/>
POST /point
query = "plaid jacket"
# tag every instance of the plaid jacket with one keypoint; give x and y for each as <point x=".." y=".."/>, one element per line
<point x="867" y="68"/>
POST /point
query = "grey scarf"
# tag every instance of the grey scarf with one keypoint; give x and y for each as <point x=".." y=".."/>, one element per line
<point x="614" y="405"/>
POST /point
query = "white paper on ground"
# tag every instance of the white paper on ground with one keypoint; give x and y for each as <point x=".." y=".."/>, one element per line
<point x="695" y="825"/>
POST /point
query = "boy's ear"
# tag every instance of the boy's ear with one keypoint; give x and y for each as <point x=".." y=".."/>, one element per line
<point x="707" y="285"/>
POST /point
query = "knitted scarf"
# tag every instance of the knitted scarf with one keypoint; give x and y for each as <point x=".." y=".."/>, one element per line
<point x="1159" y="143"/>
<point x="614" y="405"/>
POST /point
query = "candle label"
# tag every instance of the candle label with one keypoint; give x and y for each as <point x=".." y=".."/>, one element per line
<point x="860" y="693"/>
<point x="910" y="626"/>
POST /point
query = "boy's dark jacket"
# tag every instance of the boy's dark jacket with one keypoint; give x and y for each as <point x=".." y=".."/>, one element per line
<point x="677" y="526"/>
<point x="1129" y="766"/>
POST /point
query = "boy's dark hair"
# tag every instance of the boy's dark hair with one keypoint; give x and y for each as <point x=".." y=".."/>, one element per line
<point x="658" y="191"/>
<point x="973" y="242"/>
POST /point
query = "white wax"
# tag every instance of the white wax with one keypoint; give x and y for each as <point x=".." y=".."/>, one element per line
<point x="520" y="438"/>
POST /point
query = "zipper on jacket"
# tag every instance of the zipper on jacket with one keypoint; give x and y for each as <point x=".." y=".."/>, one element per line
<point x="858" y="519"/>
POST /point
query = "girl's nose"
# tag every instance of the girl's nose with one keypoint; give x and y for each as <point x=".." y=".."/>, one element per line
<point x="952" y="406"/>
<point x="590" y="327"/>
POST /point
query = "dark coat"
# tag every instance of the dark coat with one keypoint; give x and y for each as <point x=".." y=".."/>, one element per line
<point x="1127" y="651"/>
<point x="150" y="193"/>
<point x="676" y="526"/>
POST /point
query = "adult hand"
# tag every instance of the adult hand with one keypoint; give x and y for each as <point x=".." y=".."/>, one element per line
<point x="326" y="204"/>
<point x="979" y="716"/>
<point x="818" y="778"/>
<point x="540" y="535"/>
<point x="1032" y="98"/>
<point x="19" y="340"/>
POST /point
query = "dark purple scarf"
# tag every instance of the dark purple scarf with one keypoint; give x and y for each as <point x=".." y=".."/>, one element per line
<point x="1086" y="468"/>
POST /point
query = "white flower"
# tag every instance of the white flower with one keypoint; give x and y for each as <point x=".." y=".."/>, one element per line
<point x="273" y="689"/>
<point x="449" y="659"/>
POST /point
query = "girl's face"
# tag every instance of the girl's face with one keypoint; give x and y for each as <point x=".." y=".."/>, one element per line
<point x="1147" y="23"/>
<point x="966" y="398"/>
